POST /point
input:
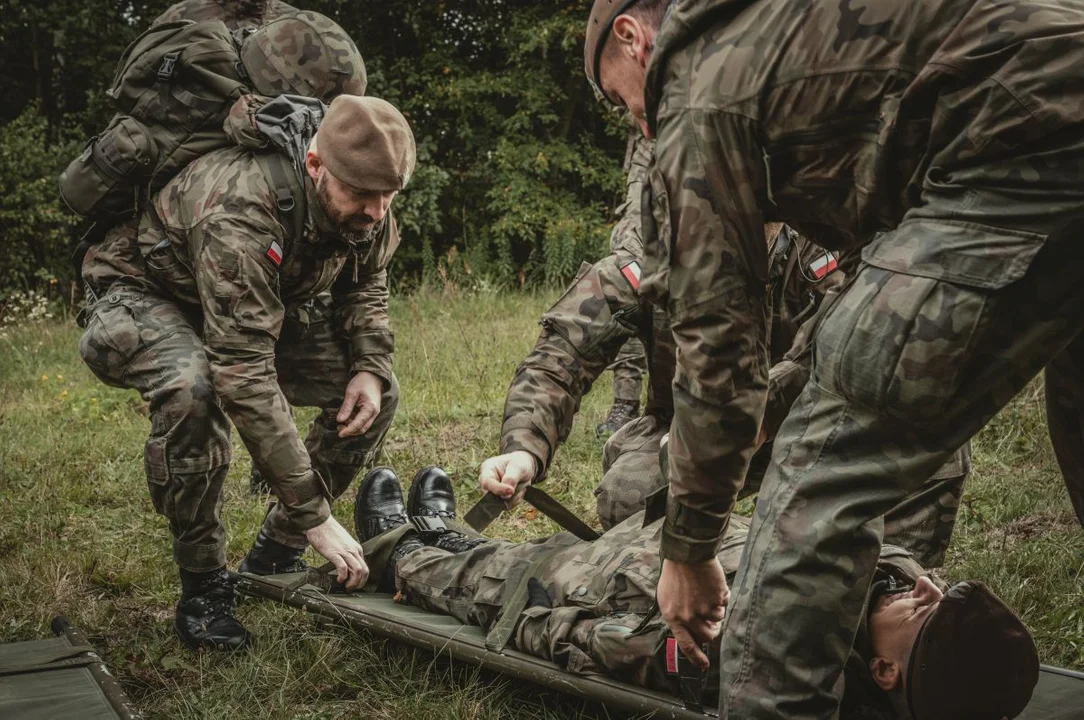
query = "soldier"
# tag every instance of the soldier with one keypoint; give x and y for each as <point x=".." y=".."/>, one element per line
<point x="925" y="652"/>
<point x="630" y="365"/>
<point x="584" y="331"/>
<point x="941" y="141"/>
<point x="207" y="318"/>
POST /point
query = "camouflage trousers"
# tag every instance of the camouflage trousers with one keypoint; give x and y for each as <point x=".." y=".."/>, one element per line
<point x="922" y="523"/>
<point x="598" y="615"/>
<point x="906" y="368"/>
<point x="136" y="338"/>
<point x="629" y="369"/>
<point x="1065" y="418"/>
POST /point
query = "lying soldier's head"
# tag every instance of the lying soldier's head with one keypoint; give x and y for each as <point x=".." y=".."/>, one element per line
<point x="948" y="656"/>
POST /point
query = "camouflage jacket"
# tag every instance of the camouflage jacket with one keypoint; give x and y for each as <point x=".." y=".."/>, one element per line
<point x="583" y="332"/>
<point x="217" y="244"/>
<point x="835" y="118"/>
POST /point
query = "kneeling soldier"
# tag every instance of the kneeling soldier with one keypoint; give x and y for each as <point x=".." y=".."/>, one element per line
<point x="210" y="318"/>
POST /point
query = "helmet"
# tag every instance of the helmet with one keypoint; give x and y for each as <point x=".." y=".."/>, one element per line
<point x="303" y="53"/>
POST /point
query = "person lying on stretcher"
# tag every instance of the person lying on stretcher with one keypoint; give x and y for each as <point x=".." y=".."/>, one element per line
<point x="924" y="652"/>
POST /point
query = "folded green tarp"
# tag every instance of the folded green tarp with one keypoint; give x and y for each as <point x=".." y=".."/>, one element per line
<point x="1059" y="695"/>
<point x="59" y="678"/>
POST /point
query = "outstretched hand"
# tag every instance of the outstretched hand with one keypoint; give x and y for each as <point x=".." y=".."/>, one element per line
<point x="508" y="476"/>
<point x="692" y="599"/>
<point x="331" y="540"/>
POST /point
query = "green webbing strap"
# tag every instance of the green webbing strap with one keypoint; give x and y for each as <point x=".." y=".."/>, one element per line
<point x="289" y="196"/>
<point x="63" y="657"/>
<point x="515" y="602"/>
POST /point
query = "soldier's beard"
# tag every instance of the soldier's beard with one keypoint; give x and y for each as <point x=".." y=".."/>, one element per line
<point x="354" y="229"/>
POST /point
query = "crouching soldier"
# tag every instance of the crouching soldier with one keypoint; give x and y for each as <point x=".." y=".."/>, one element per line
<point x="209" y="318"/>
<point x="924" y="652"/>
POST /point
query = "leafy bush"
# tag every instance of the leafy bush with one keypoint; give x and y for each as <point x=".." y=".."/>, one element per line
<point x="34" y="227"/>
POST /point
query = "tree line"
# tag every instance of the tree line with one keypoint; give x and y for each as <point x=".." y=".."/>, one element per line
<point x="519" y="167"/>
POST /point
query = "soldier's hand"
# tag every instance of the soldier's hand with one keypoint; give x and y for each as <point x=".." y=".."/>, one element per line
<point x="361" y="404"/>
<point x="692" y="599"/>
<point x="331" y="540"/>
<point x="507" y="476"/>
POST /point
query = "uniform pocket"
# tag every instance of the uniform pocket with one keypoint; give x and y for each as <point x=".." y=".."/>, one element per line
<point x="896" y="343"/>
<point x="156" y="466"/>
<point x="111" y="339"/>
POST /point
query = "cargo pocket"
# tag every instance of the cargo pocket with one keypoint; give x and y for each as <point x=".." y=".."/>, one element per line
<point x="112" y="338"/>
<point x="156" y="466"/>
<point x="162" y="262"/>
<point x="897" y="343"/>
<point x="103" y="180"/>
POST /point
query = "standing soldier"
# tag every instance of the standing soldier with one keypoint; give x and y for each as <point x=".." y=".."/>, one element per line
<point x="202" y="318"/>
<point x="942" y="141"/>
<point x="594" y="319"/>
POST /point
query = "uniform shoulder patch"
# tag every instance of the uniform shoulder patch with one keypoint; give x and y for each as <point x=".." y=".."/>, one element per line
<point x="275" y="253"/>
<point x="631" y="271"/>
<point x="823" y="264"/>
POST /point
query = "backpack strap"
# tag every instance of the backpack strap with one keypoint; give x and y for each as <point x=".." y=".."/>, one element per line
<point x="289" y="196"/>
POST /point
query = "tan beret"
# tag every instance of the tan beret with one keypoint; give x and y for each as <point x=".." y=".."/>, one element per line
<point x="366" y="143"/>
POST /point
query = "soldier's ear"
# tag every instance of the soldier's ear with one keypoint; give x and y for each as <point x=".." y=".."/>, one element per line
<point x="886" y="673"/>
<point x="313" y="164"/>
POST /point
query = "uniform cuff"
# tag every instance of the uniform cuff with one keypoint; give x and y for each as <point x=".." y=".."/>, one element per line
<point x="528" y="440"/>
<point x="379" y="365"/>
<point x="690" y="535"/>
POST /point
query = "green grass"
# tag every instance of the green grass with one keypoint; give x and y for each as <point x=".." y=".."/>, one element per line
<point x="78" y="535"/>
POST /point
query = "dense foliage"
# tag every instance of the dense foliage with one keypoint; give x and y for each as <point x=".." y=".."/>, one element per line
<point x="518" y="165"/>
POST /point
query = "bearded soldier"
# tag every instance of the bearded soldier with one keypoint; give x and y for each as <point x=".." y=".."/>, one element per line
<point x="938" y="143"/>
<point x="208" y="316"/>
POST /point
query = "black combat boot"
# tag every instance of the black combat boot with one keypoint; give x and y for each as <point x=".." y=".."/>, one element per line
<point x="205" y="616"/>
<point x="622" y="412"/>
<point x="270" y="557"/>
<point x="379" y="509"/>
<point x="431" y="495"/>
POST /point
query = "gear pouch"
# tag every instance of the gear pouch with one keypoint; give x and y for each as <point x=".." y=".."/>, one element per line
<point x="104" y="180"/>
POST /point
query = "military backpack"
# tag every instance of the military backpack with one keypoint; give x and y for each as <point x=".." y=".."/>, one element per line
<point x="172" y="90"/>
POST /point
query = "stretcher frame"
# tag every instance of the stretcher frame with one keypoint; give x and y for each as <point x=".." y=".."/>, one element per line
<point x="1059" y="695"/>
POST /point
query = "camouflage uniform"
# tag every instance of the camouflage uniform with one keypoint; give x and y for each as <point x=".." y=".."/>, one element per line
<point x="952" y="126"/>
<point x="209" y="312"/>
<point x="601" y="617"/>
<point x="1065" y="418"/>
<point x="630" y="365"/>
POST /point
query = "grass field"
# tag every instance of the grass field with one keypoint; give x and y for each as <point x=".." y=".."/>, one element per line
<point x="78" y="535"/>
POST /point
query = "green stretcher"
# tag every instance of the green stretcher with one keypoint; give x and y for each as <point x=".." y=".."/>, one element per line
<point x="1059" y="695"/>
<point x="60" y="678"/>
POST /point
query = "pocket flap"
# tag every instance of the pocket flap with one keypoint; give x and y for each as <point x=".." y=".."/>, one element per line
<point x="963" y="253"/>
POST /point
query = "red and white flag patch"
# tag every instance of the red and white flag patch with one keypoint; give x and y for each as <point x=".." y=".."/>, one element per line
<point x="823" y="265"/>
<point x="275" y="253"/>
<point x="671" y="656"/>
<point x="632" y="274"/>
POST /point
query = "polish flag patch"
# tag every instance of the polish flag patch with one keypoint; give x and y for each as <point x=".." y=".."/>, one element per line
<point x="671" y="656"/>
<point x="275" y="253"/>
<point x="823" y="265"/>
<point x="632" y="274"/>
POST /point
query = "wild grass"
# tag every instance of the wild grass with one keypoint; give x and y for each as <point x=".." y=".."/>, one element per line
<point x="78" y="535"/>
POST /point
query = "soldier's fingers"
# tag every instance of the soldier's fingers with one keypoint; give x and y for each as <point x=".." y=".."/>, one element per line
<point x="716" y="613"/>
<point x="689" y="647"/>
<point x="342" y="570"/>
<point x="357" y="570"/>
<point x="490" y="478"/>
<point x="350" y="401"/>
<point x="361" y="422"/>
